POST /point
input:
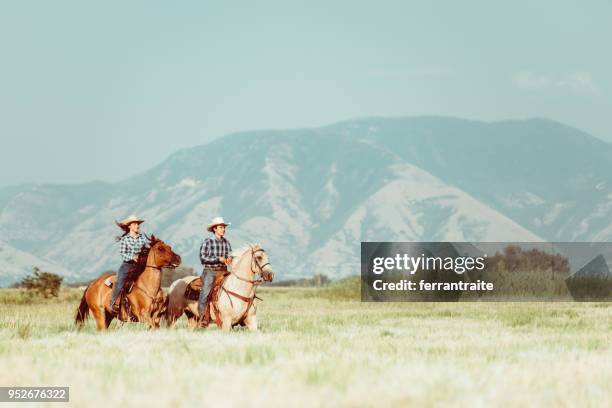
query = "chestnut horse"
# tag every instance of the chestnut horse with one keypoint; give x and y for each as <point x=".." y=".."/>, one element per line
<point x="146" y="298"/>
<point x="235" y="302"/>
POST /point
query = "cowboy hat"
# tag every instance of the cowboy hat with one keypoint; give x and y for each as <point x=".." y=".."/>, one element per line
<point x="217" y="221"/>
<point x="132" y="218"/>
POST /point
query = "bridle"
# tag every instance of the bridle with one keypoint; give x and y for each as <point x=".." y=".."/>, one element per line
<point x="259" y="270"/>
<point x="254" y="261"/>
<point x="249" y="300"/>
<point x="154" y="266"/>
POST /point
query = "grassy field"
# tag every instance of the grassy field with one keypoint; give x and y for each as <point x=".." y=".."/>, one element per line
<point x="320" y="347"/>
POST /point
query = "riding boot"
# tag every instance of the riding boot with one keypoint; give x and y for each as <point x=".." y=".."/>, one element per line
<point x="204" y="319"/>
<point x="116" y="306"/>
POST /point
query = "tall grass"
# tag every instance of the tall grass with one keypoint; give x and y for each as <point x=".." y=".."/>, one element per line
<point x="320" y="347"/>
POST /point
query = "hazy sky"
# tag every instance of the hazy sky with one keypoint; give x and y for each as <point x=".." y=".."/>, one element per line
<point x="103" y="90"/>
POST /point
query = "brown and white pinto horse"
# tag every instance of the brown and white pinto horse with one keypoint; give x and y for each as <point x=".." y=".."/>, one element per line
<point x="146" y="298"/>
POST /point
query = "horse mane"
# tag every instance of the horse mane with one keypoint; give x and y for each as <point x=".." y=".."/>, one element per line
<point x="238" y="253"/>
<point x="138" y="268"/>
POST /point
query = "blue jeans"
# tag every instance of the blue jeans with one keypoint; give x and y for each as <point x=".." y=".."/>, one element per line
<point x="208" y="276"/>
<point x="123" y="270"/>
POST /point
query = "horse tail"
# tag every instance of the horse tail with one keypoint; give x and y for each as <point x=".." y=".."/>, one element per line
<point x="82" y="311"/>
<point x="166" y="309"/>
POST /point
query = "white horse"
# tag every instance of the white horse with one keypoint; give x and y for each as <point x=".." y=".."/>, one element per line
<point x="235" y="302"/>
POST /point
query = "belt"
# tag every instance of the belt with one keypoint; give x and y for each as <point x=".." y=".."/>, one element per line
<point x="217" y="268"/>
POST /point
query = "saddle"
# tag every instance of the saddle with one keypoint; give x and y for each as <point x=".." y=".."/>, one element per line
<point x="193" y="290"/>
<point x="125" y="310"/>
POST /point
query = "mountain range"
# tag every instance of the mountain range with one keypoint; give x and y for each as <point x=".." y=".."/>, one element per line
<point x="310" y="196"/>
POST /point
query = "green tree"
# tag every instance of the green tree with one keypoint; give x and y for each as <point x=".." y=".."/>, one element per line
<point x="47" y="284"/>
<point x="319" y="279"/>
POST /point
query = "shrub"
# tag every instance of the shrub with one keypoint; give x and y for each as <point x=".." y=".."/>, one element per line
<point x="47" y="284"/>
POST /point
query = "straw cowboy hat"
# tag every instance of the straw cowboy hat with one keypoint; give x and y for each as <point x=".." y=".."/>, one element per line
<point x="217" y="221"/>
<point x="132" y="218"/>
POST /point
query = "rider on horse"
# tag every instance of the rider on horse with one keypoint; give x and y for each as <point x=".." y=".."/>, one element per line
<point x="215" y="256"/>
<point x="131" y="242"/>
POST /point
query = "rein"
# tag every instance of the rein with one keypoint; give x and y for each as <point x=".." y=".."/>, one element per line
<point x="259" y="272"/>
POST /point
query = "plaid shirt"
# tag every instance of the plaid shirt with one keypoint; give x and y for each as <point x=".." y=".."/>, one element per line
<point x="211" y="249"/>
<point x="130" y="247"/>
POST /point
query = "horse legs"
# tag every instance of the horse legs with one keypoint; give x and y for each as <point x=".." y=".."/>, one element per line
<point x="226" y="324"/>
<point x="108" y="318"/>
<point x="172" y="316"/>
<point x="251" y="321"/>
<point x="99" y="315"/>
<point x="142" y="308"/>
<point x="170" y="319"/>
<point x="169" y="316"/>
<point x="192" y="319"/>
<point x="154" y="320"/>
<point x="154" y="315"/>
<point x="146" y="316"/>
<point x="159" y="309"/>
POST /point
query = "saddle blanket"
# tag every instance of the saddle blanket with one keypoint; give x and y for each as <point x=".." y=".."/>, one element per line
<point x="110" y="282"/>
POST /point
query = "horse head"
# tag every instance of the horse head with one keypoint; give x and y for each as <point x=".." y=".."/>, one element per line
<point x="260" y="263"/>
<point x="161" y="254"/>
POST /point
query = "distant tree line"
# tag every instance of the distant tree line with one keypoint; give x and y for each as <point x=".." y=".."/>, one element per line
<point x="317" y="280"/>
<point x="515" y="258"/>
<point x="47" y="284"/>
